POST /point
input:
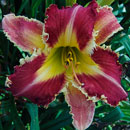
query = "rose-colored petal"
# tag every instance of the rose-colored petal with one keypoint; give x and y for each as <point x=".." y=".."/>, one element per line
<point x="82" y="110"/>
<point x="71" y="26"/>
<point x="105" y="82"/>
<point x="25" y="33"/>
<point x="106" y="25"/>
<point x="38" y="79"/>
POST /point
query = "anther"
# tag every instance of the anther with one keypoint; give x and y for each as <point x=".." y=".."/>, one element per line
<point x="71" y="59"/>
<point x="77" y="63"/>
<point x="69" y="54"/>
<point x="67" y="62"/>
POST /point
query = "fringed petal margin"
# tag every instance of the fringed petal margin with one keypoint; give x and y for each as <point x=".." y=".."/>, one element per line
<point x="82" y="110"/>
<point x="106" y="25"/>
<point x="25" y="33"/>
<point x="105" y="84"/>
<point x="70" y="26"/>
<point x="36" y="80"/>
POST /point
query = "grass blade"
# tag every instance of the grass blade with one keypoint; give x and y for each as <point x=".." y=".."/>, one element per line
<point x="33" y="111"/>
<point x="125" y="40"/>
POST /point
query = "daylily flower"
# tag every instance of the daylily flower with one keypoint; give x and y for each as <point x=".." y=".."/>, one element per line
<point x="66" y="56"/>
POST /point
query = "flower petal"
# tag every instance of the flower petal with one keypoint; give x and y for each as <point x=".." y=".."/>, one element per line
<point x="71" y="26"/>
<point x="38" y="79"/>
<point x="106" y="25"/>
<point x="82" y="110"/>
<point x="25" y="33"/>
<point x="105" y="82"/>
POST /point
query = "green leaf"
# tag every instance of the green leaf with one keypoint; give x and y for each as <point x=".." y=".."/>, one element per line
<point x="124" y="58"/>
<point x="105" y="2"/>
<point x="60" y="3"/>
<point x="63" y="120"/>
<point x="49" y="2"/>
<point x="33" y="111"/>
<point x="125" y="40"/>
<point x="12" y="3"/>
<point x="1" y="127"/>
<point x="35" y="7"/>
<point x="8" y="108"/>
<point x="2" y="80"/>
<point x="17" y="121"/>
<point x="113" y="116"/>
<point x="126" y="118"/>
<point x="27" y="8"/>
<point x="68" y="128"/>
<point x="23" y="5"/>
<point x="125" y="83"/>
<point x="93" y="127"/>
<point x="109" y="127"/>
<point x="52" y="110"/>
<point x="0" y="14"/>
<point x="70" y="2"/>
<point x="125" y="107"/>
<point x="103" y="108"/>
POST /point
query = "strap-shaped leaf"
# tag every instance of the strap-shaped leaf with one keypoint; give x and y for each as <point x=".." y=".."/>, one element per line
<point x="125" y="107"/>
<point x="33" y="111"/>
<point x="22" y="7"/>
<point x="35" y="7"/>
<point x="113" y="116"/>
<point x="8" y="108"/>
<point x="49" y="2"/>
<point x="63" y="120"/>
<point x="105" y="2"/>
<point x="70" y="2"/>
<point x="125" y="40"/>
<point x="0" y="14"/>
<point x="1" y="127"/>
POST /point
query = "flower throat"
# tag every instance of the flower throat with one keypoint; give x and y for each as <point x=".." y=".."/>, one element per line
<point x="69" y="60"/>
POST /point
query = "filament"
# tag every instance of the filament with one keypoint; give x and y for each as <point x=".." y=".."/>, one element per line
<point x="75" y="76"/>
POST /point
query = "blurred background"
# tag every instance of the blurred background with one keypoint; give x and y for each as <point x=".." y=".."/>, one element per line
<point x="21" y="114"/>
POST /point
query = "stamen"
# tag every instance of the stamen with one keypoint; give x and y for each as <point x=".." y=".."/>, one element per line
<point x="68" y="62"/>
<point x="69" y="59"/>
<point x="74" y="56"/>
<point x="75" y="76"/>
<point x="69" y="54"/>
<point x="77" y="63"/>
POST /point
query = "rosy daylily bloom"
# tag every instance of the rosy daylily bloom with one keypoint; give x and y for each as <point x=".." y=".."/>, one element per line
<point x="67" y="57"/>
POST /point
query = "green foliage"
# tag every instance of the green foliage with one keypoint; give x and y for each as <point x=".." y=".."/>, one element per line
<point x="125" y="108"/>
<point x="0" y="14"/>
<point x="9" y="114"/>
<point x="105" y="2"/>
<point x="125" y="40"/>
<point x="33" y="111"/>
<point x="49" y="2"/>
<point x="70" y="2"/>
<point x="21" y="114"/>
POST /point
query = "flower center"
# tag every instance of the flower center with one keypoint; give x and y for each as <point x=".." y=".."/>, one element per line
<point x="69" y="60"/>
<point x="68" y="57"/>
